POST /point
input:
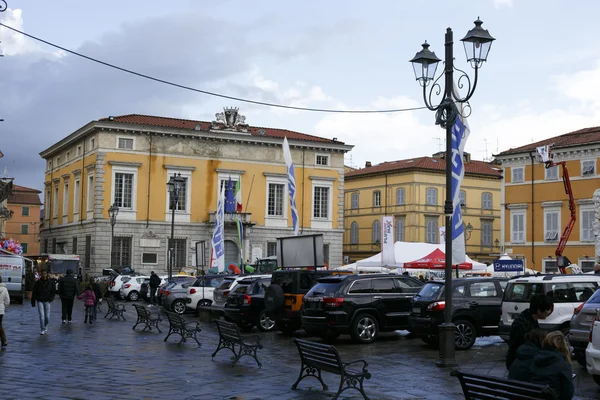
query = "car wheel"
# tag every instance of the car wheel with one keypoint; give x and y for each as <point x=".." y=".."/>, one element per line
<point x="265" y="323"/>
<point x="364" y="328"/>
<point x="178" y="306"/>
<point x="464" y="334"/>
<point x="133" y="295"/>
<point x="596" y="379"/>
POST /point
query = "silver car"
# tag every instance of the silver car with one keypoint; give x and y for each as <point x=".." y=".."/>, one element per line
<point x="174" y="293"/>
<point x="581" y="323"/>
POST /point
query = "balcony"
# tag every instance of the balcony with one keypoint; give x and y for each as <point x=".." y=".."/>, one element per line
<point x="232" y="218"/>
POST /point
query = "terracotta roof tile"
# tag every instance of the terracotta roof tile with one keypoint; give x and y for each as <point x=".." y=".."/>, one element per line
<point x="427" y="164"/>
<point x="576" y="138"/>
<point x="24" y="195"/>
<point x="176" y="123"/>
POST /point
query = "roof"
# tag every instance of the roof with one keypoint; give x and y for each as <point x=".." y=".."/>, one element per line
<point x="577" y="138"/>
<point x="432" y="164"/>
<point x="176" y="123"/>
<point x="24" y="195"/>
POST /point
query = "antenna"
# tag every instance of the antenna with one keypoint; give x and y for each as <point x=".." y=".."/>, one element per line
<point x="439" y="143"/>
<point x="497" y="146"/>
<point x="486" y="159"/>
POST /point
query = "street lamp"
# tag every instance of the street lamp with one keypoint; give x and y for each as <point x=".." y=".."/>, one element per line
<point x="113" y="211"/>
<point x="477" y="43"/>
<point x="175" y="185"/>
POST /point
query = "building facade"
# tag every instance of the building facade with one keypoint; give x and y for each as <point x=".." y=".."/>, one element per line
<point x="128" y="160"/>
<point x="536" y="206"/>
<point x="24" y="223"/>
<point x="413" y="191"/>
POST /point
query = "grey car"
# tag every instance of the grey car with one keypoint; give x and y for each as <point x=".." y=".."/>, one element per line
<point x="174" y="293"/>
<point x="581" y="323"/>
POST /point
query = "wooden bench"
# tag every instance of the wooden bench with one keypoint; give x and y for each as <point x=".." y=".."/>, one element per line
<point x="115" y="310"/>
<point x="177" y="325"/>
<point x="317" y="357"/>
<point x="230" y="336"/>
<point x="144" y="316"/>
<point x="491" y="387"/>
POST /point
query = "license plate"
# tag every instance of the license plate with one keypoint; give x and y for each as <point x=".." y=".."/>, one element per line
<point x="416" y="310"/>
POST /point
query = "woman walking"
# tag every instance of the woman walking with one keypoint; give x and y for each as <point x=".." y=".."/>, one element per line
<point x="43" y="293"/>
<point x="4" y="302"/>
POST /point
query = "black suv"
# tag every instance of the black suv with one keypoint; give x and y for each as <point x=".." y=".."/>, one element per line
<point x="361" y="305"/>
<point x="246" y="305"/>
<point x="476" y="309"/>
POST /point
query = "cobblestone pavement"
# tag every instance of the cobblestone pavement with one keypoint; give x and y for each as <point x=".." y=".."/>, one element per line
<point x="108" y="360"/>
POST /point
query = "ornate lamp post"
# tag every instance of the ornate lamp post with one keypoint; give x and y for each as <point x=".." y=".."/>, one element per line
<point x="477" y="45"/>
<point x="175" y="185"/>
<point x="113" y="211"/>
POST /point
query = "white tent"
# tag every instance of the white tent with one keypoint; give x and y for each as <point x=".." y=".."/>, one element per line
<point x="409" y="251"/>
<point x="365" y="270"/>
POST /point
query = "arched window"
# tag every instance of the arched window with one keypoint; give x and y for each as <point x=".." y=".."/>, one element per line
<point x="354" y="233"/>
<point x="400" y="230"/>
<point x="376" y="234"/>
<point x="377" y="198"/>
<point x="400" y="199"/>
<point x="431" y="197"/>
<point x="354" y="201"/>
<point x="486" y="234"/>
<point x="463" y="198"/>
<point x="431" y="234"/>
<point x="486" y="201"/>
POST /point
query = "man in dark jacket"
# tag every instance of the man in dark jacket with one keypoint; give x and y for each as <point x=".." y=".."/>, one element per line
<point x="43" y="293"/>
<point x="154" y="284"/>
<point x="68" y="288"/>
<point x="540" y="307"/>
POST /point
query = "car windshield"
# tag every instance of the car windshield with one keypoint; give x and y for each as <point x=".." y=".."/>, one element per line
<point x="521" y="292"/>
<point x="325" y="289"/>
<point x="225" y="284"/>
<point x="431" y="291"/>
<point x="595" y="299"/>
<point x="240" y="288"/>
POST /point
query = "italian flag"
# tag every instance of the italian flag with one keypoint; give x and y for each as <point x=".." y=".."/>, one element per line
<point x="238" y="196"/>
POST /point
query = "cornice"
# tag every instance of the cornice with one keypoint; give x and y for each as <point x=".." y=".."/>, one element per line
<point x="230" y="171"/>
<point x="179" y="167"/>
<point x="552" y="204"/>
<point x="274" y="175"/>
<point x="517" y="206"/>
<point x="124" y="164"/>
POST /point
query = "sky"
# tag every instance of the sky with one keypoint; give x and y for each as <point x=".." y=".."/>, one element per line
<point x="542" y="77"/>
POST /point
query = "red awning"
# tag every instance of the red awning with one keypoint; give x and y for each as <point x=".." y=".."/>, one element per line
<point x="434" y="260"/>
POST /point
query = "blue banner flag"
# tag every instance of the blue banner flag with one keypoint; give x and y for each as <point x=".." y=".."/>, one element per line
<point x="287" y="156"/>
<point x="230" y="204"/>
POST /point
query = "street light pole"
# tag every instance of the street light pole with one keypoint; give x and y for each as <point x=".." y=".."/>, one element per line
<point x="477" y="45"/>
<point x="113" y="211"/>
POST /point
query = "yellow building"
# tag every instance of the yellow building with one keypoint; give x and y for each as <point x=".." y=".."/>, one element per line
<point x="413" y="191"/>
<point x="536" y="206"/>
<point x="128" y="160"/>
<point x="24" y="223"/>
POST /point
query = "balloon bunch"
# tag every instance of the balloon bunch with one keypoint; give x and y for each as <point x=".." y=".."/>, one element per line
<point x="11" y="245"/>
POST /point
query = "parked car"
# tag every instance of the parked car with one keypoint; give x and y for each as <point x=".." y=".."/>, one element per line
<point x="246" y="305"/>
<point x="221" y="292"/>
<point x="361" y="305"/>
<point x="476" y="308"/>
<point x="115" y="285"/>
<point x="581" y="323"/>
<point x="174" y="293"/>
<point x="200" y="293"/>
<point x="592" y="353"/>
<point x="130" y="288"/>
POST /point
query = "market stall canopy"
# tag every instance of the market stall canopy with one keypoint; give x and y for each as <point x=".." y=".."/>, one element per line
<point x="434" y="260"/>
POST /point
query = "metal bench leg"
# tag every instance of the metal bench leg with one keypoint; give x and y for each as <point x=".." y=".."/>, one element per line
<point x="196" y="339"/>
<point x="137" y="323"/>
<point x="223" y="345"/>
<point x="249" y="351"/>
<point x="351" y="382"/>
<point x="305" y="371"/>
<point x="169" y="334"/>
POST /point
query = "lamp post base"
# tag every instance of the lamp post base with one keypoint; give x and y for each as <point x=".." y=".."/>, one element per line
<point x="447" y="358"/>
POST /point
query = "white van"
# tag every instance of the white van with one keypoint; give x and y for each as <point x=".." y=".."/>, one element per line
<point x="567" y="291"/>
<point x="12" y="270"/>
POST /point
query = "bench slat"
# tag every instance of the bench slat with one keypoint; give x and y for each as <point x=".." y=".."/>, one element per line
<point x="495" y="388"/>
<point x="486" y="386"/>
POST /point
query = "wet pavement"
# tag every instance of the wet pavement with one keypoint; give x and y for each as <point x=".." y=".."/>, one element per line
<point x="109" y="360"/>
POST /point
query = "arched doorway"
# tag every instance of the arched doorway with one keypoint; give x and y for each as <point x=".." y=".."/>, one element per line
<point x="232" y="253"/>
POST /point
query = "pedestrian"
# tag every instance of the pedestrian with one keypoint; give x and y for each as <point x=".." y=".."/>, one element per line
<point x="98" y="293"/>
<point x="4" y="302"/>
<point x="540" y="307"/>
<point x="89" y="299"/>
<point x="597" y="269"/>
<point x="43" y="294"/>
<point x="36" y="274"/>
<point x="154" y="284"/>
<point x="68" y="288"/>
<point x="552" y="366"/>
<point x="520" y="369"/>
<point x="422" y="279"/>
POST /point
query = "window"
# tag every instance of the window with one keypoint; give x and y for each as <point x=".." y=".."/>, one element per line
<point x="123" y="190"/>
<point x="400" y="222"/>
<point x="57" y="161"/>
<point x="24" y="229"/>
<point x="518" y="174"/>
<point x="486" y="201"/>
<point x="46" y="246"/>
<point x="149" y="258"/>
<point x="68" y="156"/>
<point x="55" y="202"/>
<point x="53" y="245"/>
<point x="321" y="202"/>
<point x="431" y="197"/>
<point x="360" y="287"/>
<point x="48" y="205"/>
<point x="125" y="143"/>
<point x="552" y="173"/>
<point x="25" y="211"/>
<point x="463" y="198"/>
<point x="326" y="253"/>
<point x="121" y="252"/>
<point x="517" y="227"/>
<point x="588" y="168"/>
<point x="275" y="201"/>
<point x="182" y="198"/>
<point x="582" y="291"/>
<point x="550" y="266"/>
<point x="322" y="159"/>
<point x="65" y="210"/>
<point x="92" y="144"/>
<point x="74" y="244"/>
<point x="78" y="151"/>
<point x="271" y="249"/>
<point x="354" y="233"/>
<point x="90" y="194"/>
<point x="483" y="289"/>
<point x="24" y="247"/>
<point x="587" y="219"/>
<point x="486" y="234"/>
<point x="383" y="286"/>
<point x="377" y="198"/>
<point x="400" y="199"/>
<point x="76" y="197"/>
<point x="431" y="230"/>
<point x="376" y="232"/>
<point x="586" y="265"/>
<point x="354" y="201"/>
<point x="551" y="228"/>
<point x="179" y="254"/>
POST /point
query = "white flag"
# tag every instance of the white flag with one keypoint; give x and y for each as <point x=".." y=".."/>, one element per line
<point x="544" y="152"/>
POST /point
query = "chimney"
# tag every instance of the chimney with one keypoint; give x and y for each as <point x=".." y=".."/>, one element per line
<point x="367" y="164"/>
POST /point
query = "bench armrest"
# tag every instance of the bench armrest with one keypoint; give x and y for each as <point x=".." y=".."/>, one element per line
<point x="253" y="338"/>
<point x="364" y="364"/>
<point x="119" y="307"/>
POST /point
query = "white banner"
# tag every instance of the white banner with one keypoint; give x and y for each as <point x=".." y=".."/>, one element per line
<point x="442" y="230"/>
<point x="217" y="259"/>
<point x="387" y="241"/>
<point x="544" y="152"/>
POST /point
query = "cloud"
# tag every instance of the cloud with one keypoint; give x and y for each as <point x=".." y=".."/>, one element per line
<point x="502" y="3"/>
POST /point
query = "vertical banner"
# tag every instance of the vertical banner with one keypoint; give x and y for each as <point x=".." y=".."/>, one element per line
<point x="240" y="231"/>
<point x="287" y="156"/>
<point x="387" y="240"/>
<point x="544" y="152"/>
<point x="442" y="230"/>
<point x="218" y="241"/>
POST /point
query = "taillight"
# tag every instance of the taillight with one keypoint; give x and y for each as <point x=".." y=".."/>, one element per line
<point x="247" y="299"/>
<point x="226" y="293"/>
<point x="127" y="286"/>
<point x="592" y="328"/>
<point x="192" y="291"/>
<point x="436" y="306"/>
<point x="333" y="301"/>
<point x="113" y="283"/>
<point x="576" y="311"/>
<point x="166" y="293"/>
